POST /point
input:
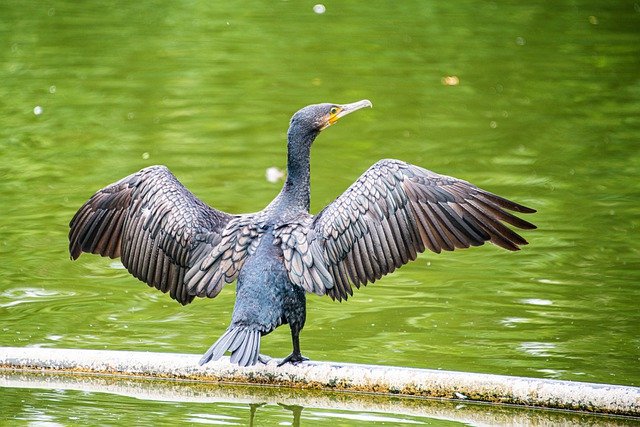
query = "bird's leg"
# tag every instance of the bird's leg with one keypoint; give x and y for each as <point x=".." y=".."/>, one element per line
<point x="295" y="357"/>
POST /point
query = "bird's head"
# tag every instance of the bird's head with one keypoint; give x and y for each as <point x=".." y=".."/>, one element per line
<point x="314" y="118"/>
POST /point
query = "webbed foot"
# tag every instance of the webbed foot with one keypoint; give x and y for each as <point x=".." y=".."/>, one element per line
<point x="294" y="358"/>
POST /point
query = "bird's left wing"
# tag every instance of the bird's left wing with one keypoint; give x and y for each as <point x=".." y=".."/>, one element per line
<point x="164" y="235"/>
<point x="394" y="211"/>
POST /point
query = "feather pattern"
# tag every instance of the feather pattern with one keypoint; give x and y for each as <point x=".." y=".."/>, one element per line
<point x="242" y="342"/>
<point x="394" y="211"/>
<point x="221" y="265"/>
<point x="154" y="224"/>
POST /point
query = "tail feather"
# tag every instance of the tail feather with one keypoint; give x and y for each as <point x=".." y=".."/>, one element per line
<point x="243" y="343"/>
<point x="236" y="342"/>
<point x="238" y="355"/>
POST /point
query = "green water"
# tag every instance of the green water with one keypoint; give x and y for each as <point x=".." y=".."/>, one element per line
<point x="546" y="112"/>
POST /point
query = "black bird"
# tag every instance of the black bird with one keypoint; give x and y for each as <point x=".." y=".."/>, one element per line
<point x="171" y="240"/>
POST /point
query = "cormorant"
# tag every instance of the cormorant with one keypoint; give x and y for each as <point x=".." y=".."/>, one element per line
<point x="171" y="240"/>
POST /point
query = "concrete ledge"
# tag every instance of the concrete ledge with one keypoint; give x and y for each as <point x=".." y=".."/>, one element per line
<point x="385" y="380"/>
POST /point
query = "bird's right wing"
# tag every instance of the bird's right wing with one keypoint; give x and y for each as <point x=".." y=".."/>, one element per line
<point x="394" y="211"/>
<point x="160" y="230"/>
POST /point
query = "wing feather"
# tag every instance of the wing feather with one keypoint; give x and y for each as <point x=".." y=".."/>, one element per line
<point x="394" y="211"/>
<point x="220" y="265"/>
<point x="154" y="224"/>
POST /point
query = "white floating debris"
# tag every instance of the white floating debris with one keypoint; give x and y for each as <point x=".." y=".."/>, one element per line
<point x="450" y="80"/>
<point x="37" y="110"/>
<point x="273" y="174"/>
<point x="319" y="9"/>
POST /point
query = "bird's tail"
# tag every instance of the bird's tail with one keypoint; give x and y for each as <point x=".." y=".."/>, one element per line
<point x="243" y="343"/>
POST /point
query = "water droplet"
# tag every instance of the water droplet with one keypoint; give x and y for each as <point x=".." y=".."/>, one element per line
<point x="520" y="41"/>
<point x="319" y="9"/>
<point x="52" y="89"/>
<point x="493" y="124"/>
<point x="593" y="20"/>
<point x="37" y="110"/>
<point x="145" y="156"/>
<point x="131" y="116"/>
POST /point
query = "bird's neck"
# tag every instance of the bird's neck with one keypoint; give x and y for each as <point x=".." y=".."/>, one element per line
<point x="296" y="193"/>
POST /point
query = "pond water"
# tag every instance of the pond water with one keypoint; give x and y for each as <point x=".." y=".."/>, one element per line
<point x="535" y="102"/>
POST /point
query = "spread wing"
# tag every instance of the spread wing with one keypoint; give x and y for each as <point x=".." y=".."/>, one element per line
<point x="157" y="227"/>
<point x="394" y="211"/>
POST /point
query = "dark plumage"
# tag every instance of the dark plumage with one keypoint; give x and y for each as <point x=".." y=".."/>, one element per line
<point x="171" y="240"/>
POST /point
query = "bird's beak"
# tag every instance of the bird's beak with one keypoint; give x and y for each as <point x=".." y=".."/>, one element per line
<point x="343" y="110"/>
<point x="350" y="108"/>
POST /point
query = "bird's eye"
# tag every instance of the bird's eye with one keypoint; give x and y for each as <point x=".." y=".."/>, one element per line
<point x="334" y="110"/>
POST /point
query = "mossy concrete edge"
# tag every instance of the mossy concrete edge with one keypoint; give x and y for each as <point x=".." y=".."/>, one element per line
<point x="390" y="380"/>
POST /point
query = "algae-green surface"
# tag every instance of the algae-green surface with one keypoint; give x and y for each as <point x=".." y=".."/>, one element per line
<point x="544" y="110"/>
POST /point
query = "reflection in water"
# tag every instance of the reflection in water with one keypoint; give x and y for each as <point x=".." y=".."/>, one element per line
<point x="512" y="322"/>
<point x="254" y="418"/>
<point x="536" y="301"/>
<point x="538" y="349"/>
<point x="220" y="419"/>
<point x="101" y="400"/>
<point x="15" y="296"/>
<point x="296" y="411"/>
